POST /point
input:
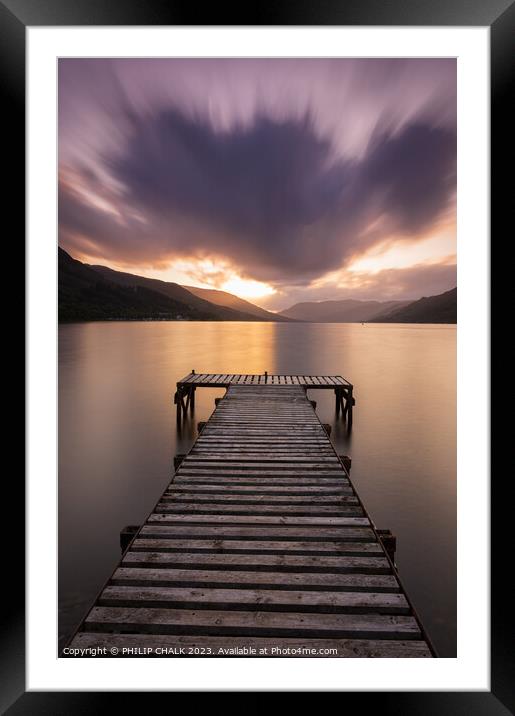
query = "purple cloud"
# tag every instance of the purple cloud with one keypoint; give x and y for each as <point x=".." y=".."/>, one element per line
<point x="270" y="184"/>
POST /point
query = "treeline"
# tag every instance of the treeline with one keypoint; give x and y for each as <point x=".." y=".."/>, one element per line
<point x="101" y="301"/>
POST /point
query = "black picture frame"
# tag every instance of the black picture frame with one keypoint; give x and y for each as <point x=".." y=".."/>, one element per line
<point x="499" y="15"/>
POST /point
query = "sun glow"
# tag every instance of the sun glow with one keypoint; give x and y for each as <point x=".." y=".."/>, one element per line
<point x="210" y="273"/>
<point x="247" y="288"/>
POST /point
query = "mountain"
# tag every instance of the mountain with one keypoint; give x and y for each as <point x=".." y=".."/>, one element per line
<point x="222" y="298"/>
<point x="97" y="293"/>
<point x="85" y="295"/>
<point x="346" y="311"/>
<point x="432" y="309"/>
<point x="175" y="292"/>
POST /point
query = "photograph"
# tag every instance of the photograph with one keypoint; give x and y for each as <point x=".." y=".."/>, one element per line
<point x="257" y="306"/>
<point x="258" y="312"/>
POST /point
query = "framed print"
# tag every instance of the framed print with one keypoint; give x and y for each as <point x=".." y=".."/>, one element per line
<point x="258" y="354"/>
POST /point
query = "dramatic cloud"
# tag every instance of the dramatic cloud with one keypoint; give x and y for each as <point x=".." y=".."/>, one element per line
<point x="389" y="284"/>
<point x="279" y="187"/>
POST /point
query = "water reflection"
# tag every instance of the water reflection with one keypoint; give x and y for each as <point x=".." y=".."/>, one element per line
<point x="118" y="436"/>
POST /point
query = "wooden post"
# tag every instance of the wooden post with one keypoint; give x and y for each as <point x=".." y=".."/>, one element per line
<point x="389" y="542"/>
<point x="177" y="460"/>
<point x="347" y="462"/>
<point x="127" y="535"/>
<point x="344" y="402"/>
<point x="192" y="399"/>
<point x="266" y="376"/>
<point x="350" y="403"/>
<point x="177" y="399"/>
<point x="184" y="399"/>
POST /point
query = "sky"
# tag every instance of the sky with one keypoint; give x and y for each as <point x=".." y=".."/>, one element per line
<point x="279" y="180"/>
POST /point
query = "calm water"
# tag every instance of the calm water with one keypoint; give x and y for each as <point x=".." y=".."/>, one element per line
<point x="117" y="436"/>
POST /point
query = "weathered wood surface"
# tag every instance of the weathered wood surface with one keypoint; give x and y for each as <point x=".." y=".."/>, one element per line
<point x="265" y="562"/>
<point x="287" y="416"/>
<point x="293" y="547"/>
<point x="259" y="543"/>
<point x="211" y="622"/>
<point x="277" y="580"/>
<point x="222" y="380"/>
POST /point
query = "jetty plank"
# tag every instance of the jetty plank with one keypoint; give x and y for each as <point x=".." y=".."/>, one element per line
<point x="261" y="562"/>
<point x="271" y="547"/>
<point x="256" y="579"/>
<point x="250" y="623"/>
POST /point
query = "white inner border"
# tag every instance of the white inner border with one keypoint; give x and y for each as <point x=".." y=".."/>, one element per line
<point x="470" y="670"/>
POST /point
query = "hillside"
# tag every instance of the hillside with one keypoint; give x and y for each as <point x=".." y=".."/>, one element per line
<point x="346" y="311"/>
<point x="88" y="293"/>
<point x="229" y="300"/>
<point x="432" y="309"/>
<point x="175" y="292"/>
<point x="95" y="293"/>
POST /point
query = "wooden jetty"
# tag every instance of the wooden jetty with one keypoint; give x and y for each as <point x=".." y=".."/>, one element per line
<point x="185" y="395"/>
<point x="259" y="546"/>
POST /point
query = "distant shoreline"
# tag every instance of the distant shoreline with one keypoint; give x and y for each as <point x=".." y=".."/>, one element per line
<point x="98" y="293"/>
<point x="220" y="320"/>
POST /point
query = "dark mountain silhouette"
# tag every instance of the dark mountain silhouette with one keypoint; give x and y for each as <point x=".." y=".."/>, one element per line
<point x="97" y="293"/>
<point x="85" y="295"/>
<point x="345" y="311"/>
<point x="431" y="309"/>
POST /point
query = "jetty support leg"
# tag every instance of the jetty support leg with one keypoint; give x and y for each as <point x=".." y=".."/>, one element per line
<point x="177" y="403"/>
<point x="127" y="535"/>
<point x="189" y="393"/>
<point x="177" y="460"/>
<point x="339" y="393"/>
<point x="347" y="462"/>
<point x="350" y="404"/>
<point x="347" y="403"/>
<point x="178" y="399"/>
<point x="389" y="541"/>
<point x="192" y="399"/>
